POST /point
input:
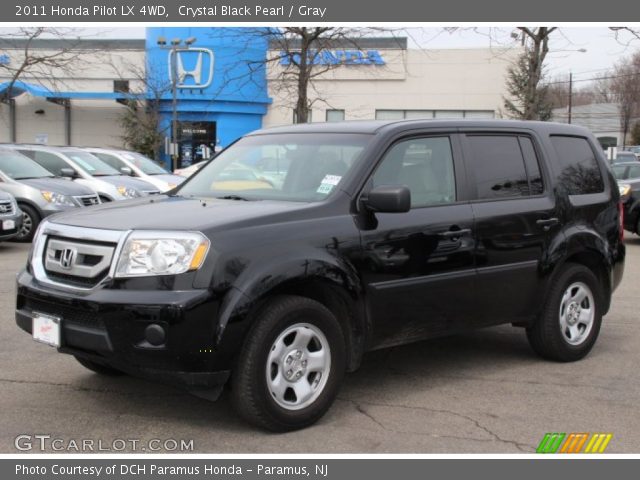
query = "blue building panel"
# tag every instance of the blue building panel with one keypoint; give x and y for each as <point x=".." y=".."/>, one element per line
<point x="220" y="77"/>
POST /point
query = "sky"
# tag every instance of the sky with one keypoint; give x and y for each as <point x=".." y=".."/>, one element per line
<point x="603" y="49"/>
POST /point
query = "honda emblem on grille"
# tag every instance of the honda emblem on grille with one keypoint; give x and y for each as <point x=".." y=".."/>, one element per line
<point x="66" y="258"/>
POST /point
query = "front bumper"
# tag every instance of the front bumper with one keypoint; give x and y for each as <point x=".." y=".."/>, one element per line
<point x="109" y="326"/>
<point x="13" y="232"/>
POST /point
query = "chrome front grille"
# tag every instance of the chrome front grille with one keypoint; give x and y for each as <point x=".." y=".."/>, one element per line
<point x="75" y="258"/>
<point x="6" y="207"/>
<point x="86" y="261"/>
<point x="87" y="200"/>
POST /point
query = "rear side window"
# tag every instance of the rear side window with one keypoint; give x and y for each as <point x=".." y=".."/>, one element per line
<point x="504" y="166"/>
<point x="579" y="170"/>
<point x="634" y="172"/>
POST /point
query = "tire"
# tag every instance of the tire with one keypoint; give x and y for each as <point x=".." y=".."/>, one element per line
<point x="98" y="367"/>
<point x="562" y="333"/>
<point x="30" y="221"/>
<point x="291" y="365"/>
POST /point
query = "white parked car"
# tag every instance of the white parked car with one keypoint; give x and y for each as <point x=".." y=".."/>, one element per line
<point x="139" y="166"/>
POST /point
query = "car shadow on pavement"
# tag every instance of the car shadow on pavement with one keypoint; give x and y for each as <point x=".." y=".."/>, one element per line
<point x="403" y="369"/>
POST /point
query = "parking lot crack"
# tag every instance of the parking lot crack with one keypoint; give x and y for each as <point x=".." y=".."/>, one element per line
<point x="359" y="406"/>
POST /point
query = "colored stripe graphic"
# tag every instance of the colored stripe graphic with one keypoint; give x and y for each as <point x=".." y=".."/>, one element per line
<point x="550" y="443"/>
<point x="598" y="443"/>
<point x="573" y="442"/>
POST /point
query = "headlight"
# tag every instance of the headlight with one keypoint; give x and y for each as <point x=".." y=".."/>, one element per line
<point x="161" y="253"/>
<point x="128" y="192"/>
<point x="625" y="189"/>
<point x="57" y="198"/>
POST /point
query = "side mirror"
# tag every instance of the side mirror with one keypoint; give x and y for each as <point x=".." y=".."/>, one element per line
<point x="388" y="199"/>
<point x="126" y="171"/>
<point x="68" y="172"/>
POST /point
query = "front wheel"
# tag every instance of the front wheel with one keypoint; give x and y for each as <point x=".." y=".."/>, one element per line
<point x="291" y="365"/>
<point x="569" y="325"/>
<point x="30" y="222"/>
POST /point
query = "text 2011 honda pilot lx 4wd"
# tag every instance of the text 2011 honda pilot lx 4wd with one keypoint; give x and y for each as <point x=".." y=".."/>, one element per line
<point x="379" y="234"/>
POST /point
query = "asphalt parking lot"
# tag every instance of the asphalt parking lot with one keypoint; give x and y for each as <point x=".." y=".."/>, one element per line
<point x="484" y="392"/>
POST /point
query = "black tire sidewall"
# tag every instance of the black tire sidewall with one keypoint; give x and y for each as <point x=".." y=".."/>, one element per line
<point x="35" y="221"/>
<point x="560" y="347"/>
<point x="298" y="310"/>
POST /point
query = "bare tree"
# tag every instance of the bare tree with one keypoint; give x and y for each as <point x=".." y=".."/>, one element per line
<point x="26" y="62"/>
<point x="625" y="85"/>
<point x="142" y="130"/>
<point x="528" y="97"/>
<point x="301" y="55"/>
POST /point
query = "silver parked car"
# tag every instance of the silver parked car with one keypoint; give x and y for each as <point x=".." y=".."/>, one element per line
<point x="38" y="192"/>
<point x="10" y="217"/>
<point x="136" y="164"/>
<point x="87" y="170"/>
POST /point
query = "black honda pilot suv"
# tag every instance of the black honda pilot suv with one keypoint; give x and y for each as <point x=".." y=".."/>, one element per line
<point x="298" y="249"/>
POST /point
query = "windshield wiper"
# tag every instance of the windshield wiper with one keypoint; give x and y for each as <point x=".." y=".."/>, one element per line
<point x="233" y="197"/>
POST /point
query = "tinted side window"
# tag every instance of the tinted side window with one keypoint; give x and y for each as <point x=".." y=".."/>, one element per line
<point x="536" y="186"/>
<point x="49" y="161"/>
<point x="425" y="165"/>
<point x="579" y="170"/>
<point x="498" y="166"/>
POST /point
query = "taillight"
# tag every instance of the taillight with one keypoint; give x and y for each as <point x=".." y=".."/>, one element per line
<point x="621" y="217"/>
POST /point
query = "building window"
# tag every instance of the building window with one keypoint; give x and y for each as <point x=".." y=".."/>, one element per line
<point x="309" y="119"/>
<point x="403" y="114"/>
<point x="335" y="115"/>
<point x="121" y="86"/>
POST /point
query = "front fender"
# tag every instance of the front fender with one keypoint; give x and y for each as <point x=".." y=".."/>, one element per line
<point x="257" y="281"/>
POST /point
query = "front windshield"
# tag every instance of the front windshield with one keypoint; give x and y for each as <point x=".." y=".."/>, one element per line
<point x="145" y="164"/>
<point x="20" y="167"/>
<point x="91" y="164"/>
<point x="298" y="167"/>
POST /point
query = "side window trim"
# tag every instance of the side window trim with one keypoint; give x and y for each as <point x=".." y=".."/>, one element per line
<point x="459" y="177"/>
<point x="467" y="155"/>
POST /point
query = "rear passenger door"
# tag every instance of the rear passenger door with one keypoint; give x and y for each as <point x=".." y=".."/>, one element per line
<point x="515" y="218"/>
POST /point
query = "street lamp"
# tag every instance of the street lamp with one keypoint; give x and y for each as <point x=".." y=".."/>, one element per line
<point x="174" y="48"/>
<point x="570" y="106"/>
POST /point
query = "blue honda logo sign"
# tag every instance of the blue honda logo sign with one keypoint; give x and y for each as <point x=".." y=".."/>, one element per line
<point x="335" y="57"/>
<point x="194" y="67"/>
<point x="4" y="59"/>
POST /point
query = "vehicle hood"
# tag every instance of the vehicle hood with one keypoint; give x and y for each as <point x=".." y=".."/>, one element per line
<point x="162" y="212"/>
<point x="129" y="182"/>
<point x="169" y="178"/>
<point x="58" y="185"/>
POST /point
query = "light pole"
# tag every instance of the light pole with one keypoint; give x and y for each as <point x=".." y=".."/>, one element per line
<point x="174" y="48"/>
<point x="570" y="106"/>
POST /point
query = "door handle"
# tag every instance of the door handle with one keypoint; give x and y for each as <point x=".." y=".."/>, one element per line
<point x="547" y="223"/>
<point x="455" y="234"/>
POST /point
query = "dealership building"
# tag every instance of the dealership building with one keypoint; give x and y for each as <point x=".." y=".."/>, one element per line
<point x="221" y="83"/>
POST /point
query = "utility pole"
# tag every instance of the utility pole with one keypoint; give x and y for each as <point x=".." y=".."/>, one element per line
<point x="570" y="96"/>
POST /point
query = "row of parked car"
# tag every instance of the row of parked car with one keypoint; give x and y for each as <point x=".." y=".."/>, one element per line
<point x="38" y="180"/>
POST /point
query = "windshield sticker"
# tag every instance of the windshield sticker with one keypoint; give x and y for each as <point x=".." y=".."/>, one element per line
<point x="331" y="180"/>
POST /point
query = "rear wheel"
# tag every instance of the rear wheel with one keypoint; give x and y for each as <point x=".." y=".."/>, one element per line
<point x="30" y="222"/>
<point x="570" y="323"/>
<point x="98" y="367"/>
<point x="291" y="365"/>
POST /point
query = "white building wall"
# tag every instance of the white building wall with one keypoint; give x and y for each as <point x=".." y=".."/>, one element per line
<point x="448" y="79"/>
